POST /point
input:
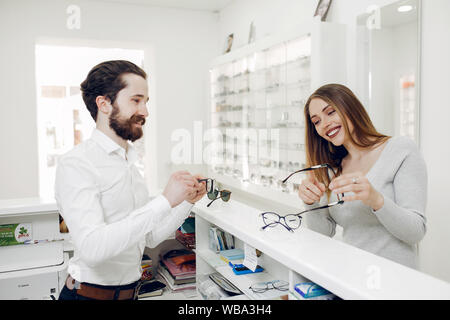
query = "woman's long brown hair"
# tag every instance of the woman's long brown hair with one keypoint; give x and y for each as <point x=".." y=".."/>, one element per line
<point x="349" y="108"/>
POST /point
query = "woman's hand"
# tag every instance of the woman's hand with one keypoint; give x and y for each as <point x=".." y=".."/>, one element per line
<point x="360" y="186"/>
<point x="311" y="190"/>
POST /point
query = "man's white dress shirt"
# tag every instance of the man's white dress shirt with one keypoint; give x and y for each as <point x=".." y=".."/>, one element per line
<point x="105" y="203"/>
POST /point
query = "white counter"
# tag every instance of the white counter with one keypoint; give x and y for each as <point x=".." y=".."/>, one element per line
<point x="347" y="271"/>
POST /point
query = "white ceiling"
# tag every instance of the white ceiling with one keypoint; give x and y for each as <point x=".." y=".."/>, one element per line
<point x="204" y="5"/>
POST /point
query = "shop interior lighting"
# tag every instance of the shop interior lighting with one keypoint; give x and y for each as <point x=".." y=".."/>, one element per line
<point x="406" y="8"/>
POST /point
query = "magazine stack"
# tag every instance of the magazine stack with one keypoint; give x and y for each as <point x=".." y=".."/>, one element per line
<point x="177" y="269"/>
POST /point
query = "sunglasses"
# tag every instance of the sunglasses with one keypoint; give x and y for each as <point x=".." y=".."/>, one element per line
<point x="214" y="193"/>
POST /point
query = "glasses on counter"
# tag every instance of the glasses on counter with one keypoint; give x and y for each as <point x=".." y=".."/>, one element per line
<point x="293" y="221"/>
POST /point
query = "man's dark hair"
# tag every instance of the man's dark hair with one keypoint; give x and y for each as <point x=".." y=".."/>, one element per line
<point x="105" y="79"/>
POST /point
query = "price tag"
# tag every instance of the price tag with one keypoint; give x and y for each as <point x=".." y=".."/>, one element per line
<point x="250" y="258"/>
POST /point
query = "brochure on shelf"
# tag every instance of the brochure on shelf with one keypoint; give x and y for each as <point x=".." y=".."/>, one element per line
<point x="232" y="255"/>
<point x="220" y="240"/>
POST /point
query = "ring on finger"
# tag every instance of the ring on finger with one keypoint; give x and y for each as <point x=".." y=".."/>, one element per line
<point x="355" y="180"/>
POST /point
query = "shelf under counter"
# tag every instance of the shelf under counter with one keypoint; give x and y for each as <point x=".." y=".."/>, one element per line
<point x="340" y="268"/>
<point x="242" y="282"/>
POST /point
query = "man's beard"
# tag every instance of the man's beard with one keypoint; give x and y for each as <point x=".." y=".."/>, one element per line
<point x="126" y="128"/>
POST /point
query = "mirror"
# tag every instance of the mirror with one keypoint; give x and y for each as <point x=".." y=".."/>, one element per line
<point x="388" y="51"/>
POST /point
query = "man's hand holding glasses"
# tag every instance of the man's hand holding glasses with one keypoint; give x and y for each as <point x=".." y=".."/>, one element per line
<point x="183" y="186"/>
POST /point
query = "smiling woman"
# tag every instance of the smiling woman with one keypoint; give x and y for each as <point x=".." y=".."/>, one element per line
<point x="325" y="111"/>
<point x="384" y="178"/>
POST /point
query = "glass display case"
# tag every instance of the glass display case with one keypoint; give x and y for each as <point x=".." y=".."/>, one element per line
<point x="257" y="109"/>
<point x="258" y="93"/>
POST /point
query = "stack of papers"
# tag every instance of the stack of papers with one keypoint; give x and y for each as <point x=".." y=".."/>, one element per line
<point x="177" y="269"/>
<point x="232" y="255"/>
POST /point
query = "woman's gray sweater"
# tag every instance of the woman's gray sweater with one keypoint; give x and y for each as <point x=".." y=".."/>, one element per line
<point x="393" y="231"/>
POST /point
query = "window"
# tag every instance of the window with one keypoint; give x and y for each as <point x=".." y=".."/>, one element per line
<point x="62" y="118"/>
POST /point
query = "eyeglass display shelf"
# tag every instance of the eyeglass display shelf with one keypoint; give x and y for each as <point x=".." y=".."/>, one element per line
<point x="338" y="267"/>
<point x="266" y="89"/>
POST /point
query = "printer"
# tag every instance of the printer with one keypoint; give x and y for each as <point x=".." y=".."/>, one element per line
<point x="33" y="252"/>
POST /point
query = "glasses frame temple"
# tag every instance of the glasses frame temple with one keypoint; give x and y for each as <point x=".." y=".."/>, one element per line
<point x="322" y="207"/>
<point x="325" y="165"/>
<point x="308" y="169"/>
<point x="206" y="184"/>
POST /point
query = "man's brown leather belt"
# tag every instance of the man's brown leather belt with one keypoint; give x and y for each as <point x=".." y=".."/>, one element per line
<point x="89" y="291"/>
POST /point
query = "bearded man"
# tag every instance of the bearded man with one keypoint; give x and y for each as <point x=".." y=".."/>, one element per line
<point x="102" y="196"/>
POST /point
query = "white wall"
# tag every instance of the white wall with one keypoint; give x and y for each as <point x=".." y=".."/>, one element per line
<point x="274" y="17"/>
<point x="434" y="134"/>
<point x="270" y="18"/>
<point x="394" y="53"/>
<point x="178" y="47"/>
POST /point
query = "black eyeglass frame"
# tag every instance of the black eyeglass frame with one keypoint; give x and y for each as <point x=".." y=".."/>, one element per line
<point x="320" y="166"/>
<point x="298" y="215"/>
<point x="208" y="180"/>
<point x="214" y="193"/>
